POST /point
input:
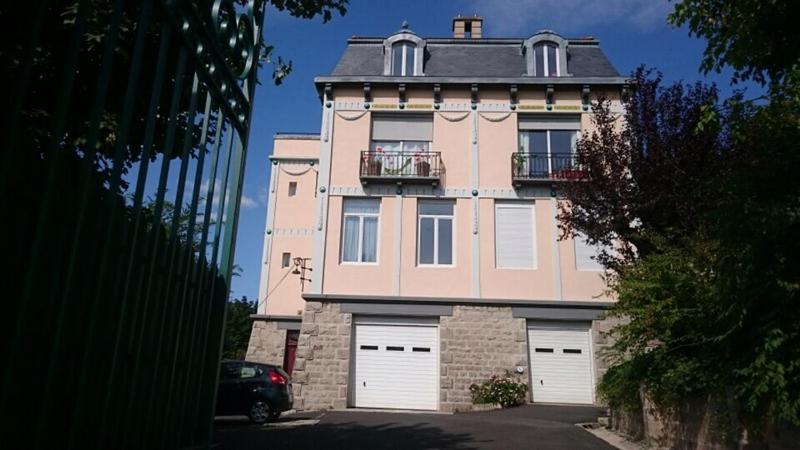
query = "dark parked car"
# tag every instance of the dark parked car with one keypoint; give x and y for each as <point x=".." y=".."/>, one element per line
<point x="260" y="391"/>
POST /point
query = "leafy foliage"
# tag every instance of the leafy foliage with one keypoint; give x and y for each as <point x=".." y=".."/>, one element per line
<point x="758" y="38"/>
<point x="505" y="391"/>
<point x="703" y="201"/>
<point x="237" y="328"/>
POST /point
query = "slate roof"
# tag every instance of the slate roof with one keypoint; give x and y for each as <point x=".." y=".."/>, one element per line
<point x="497" y="58"/>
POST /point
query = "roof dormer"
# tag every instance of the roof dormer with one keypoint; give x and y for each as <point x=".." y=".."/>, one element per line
<point x="546" y="55"/>
<point x="403" y="53"/>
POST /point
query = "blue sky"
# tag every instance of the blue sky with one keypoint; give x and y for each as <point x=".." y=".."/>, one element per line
<point x="631" y="32"/>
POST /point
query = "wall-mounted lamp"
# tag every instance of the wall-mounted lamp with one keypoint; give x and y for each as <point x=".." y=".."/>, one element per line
<point x="300" y="267"/>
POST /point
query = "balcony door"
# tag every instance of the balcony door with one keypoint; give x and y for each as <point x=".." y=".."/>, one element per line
<point x="400" y="143"/>
<point x="548" y="143"/>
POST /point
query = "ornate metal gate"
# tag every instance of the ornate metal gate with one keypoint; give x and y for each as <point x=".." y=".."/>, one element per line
<point x="125" y="140"/>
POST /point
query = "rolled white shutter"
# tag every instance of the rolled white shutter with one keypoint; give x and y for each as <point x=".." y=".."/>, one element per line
<point x="549" y="122"/>
<point x="514" y="236"/>
<point x="402" y="127"/>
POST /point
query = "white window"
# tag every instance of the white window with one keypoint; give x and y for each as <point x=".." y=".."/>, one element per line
<point x="292" y="188"/>
<point x="401" y="143"/>
<point x="548" y="143"/>
<point x="545" y="57"/>
<point x="435" y="233"/>
<point x="586" y="254"/>
<point x="515" y="235"/>
<point x="286" y="259"/>
<point x="404" y="59"/>
<point x="360" y="230"/>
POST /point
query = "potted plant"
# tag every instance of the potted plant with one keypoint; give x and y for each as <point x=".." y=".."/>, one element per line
<point x="374" y="161"/>
<point x="421" y="164"/>
<point x="518" y="164"/>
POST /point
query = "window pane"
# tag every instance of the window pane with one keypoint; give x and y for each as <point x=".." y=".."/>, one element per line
<point x="561" y="141"/>
<point x="397" y="58"/>
<point x="538" y="142"/>
<point x="350" y="239"/>
<point x="292" y="188"/>
<point x="445" y="241"/>
<point x="436" y="208"/>
<point x="538" y="58"/>
<point x="410" y="50"/>
<point x="369" y="248"/>
<point x="361" y="206"/>
<point x="415" y="146"/>
<point x="426" y="241"/>
<point x="551" y="61"/>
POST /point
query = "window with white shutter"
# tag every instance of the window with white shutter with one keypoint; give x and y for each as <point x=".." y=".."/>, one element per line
<point x="586" y="255"/>
<point x="514" y="229"/>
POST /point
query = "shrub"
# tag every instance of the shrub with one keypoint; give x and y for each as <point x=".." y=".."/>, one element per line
<point x="502" y="390"/>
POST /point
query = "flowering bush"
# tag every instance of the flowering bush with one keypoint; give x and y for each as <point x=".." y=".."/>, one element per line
<point x="503" y="390"/>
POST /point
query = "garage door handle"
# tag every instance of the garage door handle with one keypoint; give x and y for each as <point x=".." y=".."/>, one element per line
<point x="541" y="382"/>
<point x="364" y="383"/>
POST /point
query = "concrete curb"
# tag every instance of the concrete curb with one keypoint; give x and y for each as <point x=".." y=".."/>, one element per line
<point x="612" y="438"/>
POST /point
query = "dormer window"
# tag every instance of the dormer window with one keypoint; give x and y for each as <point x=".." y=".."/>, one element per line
<point x="404" y="58"/>
<point x="545" y="60"/>
<point x="546" y="55"/>
<point x="403" y="54"/>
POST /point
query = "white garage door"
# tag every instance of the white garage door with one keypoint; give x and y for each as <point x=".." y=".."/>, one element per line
<point x="561" y="363"/>
<point x="397" y="363"/>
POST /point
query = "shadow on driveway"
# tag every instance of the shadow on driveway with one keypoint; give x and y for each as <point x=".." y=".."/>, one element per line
<point x="340" y="435"/>
<point x="527" y="427"/>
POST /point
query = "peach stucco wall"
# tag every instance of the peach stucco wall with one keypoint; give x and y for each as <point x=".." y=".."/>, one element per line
<point x="295" y="148"/>
<point x="359" y="278"/>
<point x="351" y="134"/>
<point x="443" y="281"/>
<point x="497" y="135"/>
<point x="535" y="283"/>
<point x="293" y="221"/>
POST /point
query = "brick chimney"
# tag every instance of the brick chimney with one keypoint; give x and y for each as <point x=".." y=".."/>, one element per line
<point x="467" y="27"/>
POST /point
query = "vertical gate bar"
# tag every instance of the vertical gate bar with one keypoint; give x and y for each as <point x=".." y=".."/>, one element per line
<point x="183" y="263"/>
<point x="88" y="169"/>
<point x="145" y="281"/>
<point x="162" y="277"/>
<point x="114" y="183"/>
<point x="192" y="277"/>
<point x="65" y="88"/>
<point x="222" y="199"/>
<point x="21" y="93"/>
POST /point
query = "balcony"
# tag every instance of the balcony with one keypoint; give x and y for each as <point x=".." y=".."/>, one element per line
<point x="401" y="167"/>
<point x="543" y="168"/>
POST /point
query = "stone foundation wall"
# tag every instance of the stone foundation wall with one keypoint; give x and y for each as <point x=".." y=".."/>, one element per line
<point x="601" y="341"/>
<point x="267" y="343"/>
<point x="322" y="364"/>
<point x="477" y="342"/>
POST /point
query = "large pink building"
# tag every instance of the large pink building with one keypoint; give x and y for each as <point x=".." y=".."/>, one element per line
<point x="422" y="220"/>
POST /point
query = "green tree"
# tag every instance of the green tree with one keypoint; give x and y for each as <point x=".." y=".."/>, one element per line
<point x="237" y="328"/>
<point x="757" y="38"/>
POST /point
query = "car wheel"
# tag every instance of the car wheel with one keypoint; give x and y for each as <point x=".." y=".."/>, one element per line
<point x="260" y="412"/>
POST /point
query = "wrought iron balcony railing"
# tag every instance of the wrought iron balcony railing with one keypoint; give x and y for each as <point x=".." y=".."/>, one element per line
<point x="401" y="167"/>
<point x="533" y="168"/>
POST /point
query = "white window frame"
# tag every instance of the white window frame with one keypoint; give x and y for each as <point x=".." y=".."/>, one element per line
<point x="361" y="217"/>
<point x="581" y="238"/>
<point x="545" y="59"/>
<point x="404" y="58"/>
<point x="521" y="205"/>
<point x="549" y="152"/>
<point x="436" y="218"/>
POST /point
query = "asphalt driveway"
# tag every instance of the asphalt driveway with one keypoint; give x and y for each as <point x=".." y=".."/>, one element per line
<point x="527" y="427"/>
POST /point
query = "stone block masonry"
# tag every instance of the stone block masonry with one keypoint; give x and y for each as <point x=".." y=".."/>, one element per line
<point x="267" y="343"/>
<point x="477" y="342"/>
<point x="322" y="365"/>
